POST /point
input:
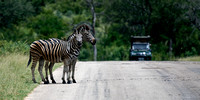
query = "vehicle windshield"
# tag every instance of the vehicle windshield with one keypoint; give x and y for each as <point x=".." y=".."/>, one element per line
<point x="140" y="47"/>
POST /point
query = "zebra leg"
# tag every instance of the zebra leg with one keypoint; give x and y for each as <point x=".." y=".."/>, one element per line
<point x="33" y="70"/>
<point x="46" y="71"/>
<point x="50" y="71"/>
<point x="68" y="74"/>
<point x="73" y="70"/>
<point x="41" y="64"/>
<point x="64" y="70"/>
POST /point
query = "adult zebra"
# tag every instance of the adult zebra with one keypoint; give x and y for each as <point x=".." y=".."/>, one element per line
<point x="65" y="51"/>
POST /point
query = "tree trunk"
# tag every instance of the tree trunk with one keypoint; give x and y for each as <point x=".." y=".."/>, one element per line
<point x="170" y="48"/>
<point x="93" y="26"/>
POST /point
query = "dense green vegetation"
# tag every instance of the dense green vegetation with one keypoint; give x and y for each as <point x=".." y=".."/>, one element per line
<point x="174" y="25"/>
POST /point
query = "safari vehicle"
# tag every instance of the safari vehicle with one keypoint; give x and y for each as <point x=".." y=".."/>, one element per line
<point x="140" y="48"/>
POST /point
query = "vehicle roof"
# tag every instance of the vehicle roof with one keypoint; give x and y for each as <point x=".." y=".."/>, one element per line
<point x="140" y="39"/>
<point x="140" y="36"/>
<point x="140" y="43"/>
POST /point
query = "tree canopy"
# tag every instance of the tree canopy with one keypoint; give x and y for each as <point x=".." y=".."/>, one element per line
<point x="174" y="25"/>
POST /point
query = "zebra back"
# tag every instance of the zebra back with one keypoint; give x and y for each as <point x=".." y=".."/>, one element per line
<point x="55" y="50"/>
<point x="51" y="50"/>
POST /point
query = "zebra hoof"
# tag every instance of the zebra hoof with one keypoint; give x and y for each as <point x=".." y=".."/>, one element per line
<point x="63" y="82"/>
<point x="69" y="82"/>
<point x="46" y="82"/>
<point x="34" y="81"/>
<point x="54" y="82"/>
<point x="74" y="81"/>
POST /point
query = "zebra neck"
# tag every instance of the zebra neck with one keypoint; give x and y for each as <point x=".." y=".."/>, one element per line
<point x="74" y="50"/>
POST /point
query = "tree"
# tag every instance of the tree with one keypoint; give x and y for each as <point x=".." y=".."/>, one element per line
<point x="12" y="11"/>
<point x="92" y="7"/>
<point x="167" y="21"/>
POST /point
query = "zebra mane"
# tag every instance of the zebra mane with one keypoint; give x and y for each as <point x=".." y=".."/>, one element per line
<point x="71" y="37"/>
<point x="78" y="27"/>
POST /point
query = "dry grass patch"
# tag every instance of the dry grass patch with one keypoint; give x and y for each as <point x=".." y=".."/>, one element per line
<point x="195" y="58"/>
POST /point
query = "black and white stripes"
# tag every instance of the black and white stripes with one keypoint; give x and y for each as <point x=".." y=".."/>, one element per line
<point x="55" y="51"/>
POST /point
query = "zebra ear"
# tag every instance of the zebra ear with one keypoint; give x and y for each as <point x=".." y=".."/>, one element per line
<point x="65" y="39"/>
<point x="82" y="29"/>
<point x="86" y="27"/>
<point x="76" y="31"/>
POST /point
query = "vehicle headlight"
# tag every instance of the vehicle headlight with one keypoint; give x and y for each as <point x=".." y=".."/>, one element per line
<point x="148" y="53"/>
<point x="144" y="53"/>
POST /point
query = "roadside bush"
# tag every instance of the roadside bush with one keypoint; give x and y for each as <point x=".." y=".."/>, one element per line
<point x="85" y="55"/>
<point x="7" y="47"/>
<point x="113" y="53"/>
<point x="47" y="25"/>
<point x="192" y="52"/>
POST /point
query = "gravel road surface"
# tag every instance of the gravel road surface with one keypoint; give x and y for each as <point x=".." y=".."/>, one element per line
<point x="124" y="80"/>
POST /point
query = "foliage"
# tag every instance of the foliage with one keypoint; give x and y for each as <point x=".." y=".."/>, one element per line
<point x="12" y="11"/>
<point x="171" y="24"/>
<point x="7" y="47"/>
<point x="38" y="4"/>
<point x="164" y="21"/>
<point x="113" y="53"/>
<point x="47" y="25"/>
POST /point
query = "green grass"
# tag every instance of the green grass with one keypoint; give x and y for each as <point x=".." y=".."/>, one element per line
<point x="195" y="58"/>
<point x="15" y="77"/>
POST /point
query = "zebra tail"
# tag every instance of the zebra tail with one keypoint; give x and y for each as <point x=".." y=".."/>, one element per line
<point x="29" y="61"/>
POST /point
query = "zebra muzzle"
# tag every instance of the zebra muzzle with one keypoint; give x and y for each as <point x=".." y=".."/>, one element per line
<point x="93" y="42"/>
<point x="79" y="43"/>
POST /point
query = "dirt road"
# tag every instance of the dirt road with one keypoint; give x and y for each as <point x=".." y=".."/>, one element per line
<point x="125" y="81"/>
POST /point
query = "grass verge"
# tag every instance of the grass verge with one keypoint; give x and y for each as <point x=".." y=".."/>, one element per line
<point x="195" y="58"/>
<point x="15" y="77"/>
